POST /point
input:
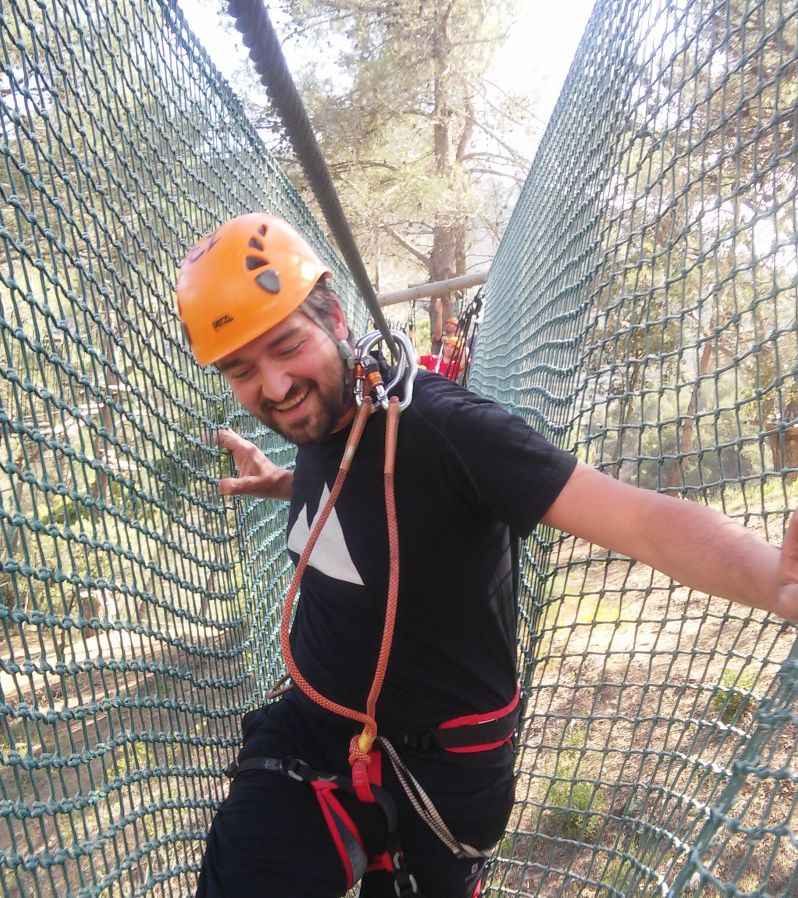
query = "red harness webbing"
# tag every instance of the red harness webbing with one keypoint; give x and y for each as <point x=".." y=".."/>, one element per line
<point x="469" y="732"/>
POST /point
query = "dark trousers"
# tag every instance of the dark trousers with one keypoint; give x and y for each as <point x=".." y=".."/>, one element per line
<point x="269" y="838"/>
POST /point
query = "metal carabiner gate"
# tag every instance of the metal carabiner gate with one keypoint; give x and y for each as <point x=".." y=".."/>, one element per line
<point x="368" y="379"/>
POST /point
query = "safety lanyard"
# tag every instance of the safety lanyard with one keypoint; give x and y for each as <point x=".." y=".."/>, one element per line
<point x="370" y="393"/>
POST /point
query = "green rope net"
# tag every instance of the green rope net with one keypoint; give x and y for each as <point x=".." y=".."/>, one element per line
<point x="641" y="311"/>
<point x="137" y="611"/>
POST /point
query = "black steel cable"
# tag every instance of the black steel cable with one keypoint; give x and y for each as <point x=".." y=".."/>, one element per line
<point x="252" y="20"/>
<point x="464" y="327"/>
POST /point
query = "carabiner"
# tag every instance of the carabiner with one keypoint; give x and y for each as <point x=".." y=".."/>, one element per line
<point x="368" y="379"/>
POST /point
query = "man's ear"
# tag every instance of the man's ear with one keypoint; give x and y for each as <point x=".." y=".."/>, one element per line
<point x="339" y="323"/>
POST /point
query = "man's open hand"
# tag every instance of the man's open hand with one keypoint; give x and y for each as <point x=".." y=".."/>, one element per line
<point x="257" y="475"/>
<point x="787" y="576"/>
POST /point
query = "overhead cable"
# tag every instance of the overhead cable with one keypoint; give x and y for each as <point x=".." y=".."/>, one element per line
<point x="252" y="20"/>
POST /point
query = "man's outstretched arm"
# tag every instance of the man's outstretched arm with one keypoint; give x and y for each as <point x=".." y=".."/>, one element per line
<point x="693" y="544"/>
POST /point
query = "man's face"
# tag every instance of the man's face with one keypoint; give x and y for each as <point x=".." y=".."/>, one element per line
<point x="450" y="327"/>
<point x="292" y="378"/>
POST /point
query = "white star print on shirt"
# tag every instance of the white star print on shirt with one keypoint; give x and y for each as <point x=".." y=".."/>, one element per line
<point x="330" y="555"/>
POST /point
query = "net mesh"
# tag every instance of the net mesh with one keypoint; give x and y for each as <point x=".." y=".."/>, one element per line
<point x="641" y="311"/>
<point x="137" y="610"/>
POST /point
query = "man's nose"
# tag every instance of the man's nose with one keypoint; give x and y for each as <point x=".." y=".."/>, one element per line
<point x="275" y="382"/>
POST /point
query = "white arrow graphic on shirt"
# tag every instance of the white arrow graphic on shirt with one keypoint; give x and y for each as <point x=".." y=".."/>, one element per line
<point x="330" y="555"/>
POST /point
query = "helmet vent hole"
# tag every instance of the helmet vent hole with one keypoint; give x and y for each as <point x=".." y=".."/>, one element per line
<point x="253" y="262"/>
<point x="269" y="280"/>
<point x="262" y="230"/>
<point x="255" y="243"/>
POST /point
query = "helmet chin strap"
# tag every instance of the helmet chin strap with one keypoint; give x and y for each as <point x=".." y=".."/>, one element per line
<point x="344" y="350"/>
<point x="348" y="355"/>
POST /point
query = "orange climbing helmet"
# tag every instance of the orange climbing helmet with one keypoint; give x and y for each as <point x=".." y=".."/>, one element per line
<point x="241" y="280"/>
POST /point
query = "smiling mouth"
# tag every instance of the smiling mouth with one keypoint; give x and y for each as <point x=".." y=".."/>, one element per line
<point x="288" y="404"/>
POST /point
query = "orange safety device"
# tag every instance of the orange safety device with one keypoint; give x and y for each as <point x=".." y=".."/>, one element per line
<point x="241" y="280"/>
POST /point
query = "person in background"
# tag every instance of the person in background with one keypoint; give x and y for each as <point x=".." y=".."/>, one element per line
<point x="447" y="363"/>
<point x="452" y="329"/>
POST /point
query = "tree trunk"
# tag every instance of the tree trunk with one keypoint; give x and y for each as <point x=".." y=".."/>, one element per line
<point x="687" y="427"/>
<point x="444" y="237"/>
<point x="625" y="415"/>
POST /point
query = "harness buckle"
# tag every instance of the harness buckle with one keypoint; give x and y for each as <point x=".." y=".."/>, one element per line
<point x="297" y="769"/>
<point x="365" y="368"/>
<point x="408" y="887"/>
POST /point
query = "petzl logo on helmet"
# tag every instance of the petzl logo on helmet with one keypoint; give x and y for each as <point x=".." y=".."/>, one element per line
<point x="220" y="322"/>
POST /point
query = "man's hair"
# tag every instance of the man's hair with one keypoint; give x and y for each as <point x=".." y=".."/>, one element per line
<point x="319" y="305"/>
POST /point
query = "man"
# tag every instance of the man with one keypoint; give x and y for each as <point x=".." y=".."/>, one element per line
<point x="254" y="300"/>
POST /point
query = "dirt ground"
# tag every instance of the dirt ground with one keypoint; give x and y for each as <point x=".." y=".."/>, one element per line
<point x="112" y="770"/>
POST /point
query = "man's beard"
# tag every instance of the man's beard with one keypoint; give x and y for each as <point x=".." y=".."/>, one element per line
<point x="330" y="406"/>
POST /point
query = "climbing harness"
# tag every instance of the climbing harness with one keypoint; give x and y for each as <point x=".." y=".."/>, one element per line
<point x="469" y="733"/>
<point x="343" y="830"/>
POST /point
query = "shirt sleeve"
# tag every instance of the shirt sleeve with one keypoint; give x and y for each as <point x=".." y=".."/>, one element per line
<point x="509" y="470"/>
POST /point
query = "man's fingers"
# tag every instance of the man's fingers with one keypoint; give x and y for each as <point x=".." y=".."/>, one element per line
<point x="241" y="486"/>
<point x="229" y="439"/>
<point x="788" y="602"/>
<point x="791" y="537"/>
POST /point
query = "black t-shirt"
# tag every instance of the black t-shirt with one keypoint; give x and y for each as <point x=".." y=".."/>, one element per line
<point x="469" y="479"/>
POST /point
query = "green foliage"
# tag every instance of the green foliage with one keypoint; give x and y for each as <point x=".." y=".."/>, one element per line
<point x="10" y="881"/>
<point x="573" y="803"/>
<point x="417" y="139"/>
<point x="575" y="800"/>
<point x="734" y="696"/>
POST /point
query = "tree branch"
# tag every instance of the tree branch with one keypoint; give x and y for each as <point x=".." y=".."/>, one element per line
<point x="402" y="242"/>
<point x="499" y="174"/>
<point x="514" y="154"/>
<point x="341" y="168"/>
<point x="468" y="130"/>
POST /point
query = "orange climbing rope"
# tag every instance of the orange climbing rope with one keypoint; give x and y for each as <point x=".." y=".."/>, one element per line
<point x="360" y="746"/>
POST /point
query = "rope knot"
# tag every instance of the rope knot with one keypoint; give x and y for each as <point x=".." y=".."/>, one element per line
<point x="357" y="753"/>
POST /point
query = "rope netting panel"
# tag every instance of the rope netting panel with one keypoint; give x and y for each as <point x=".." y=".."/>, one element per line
<point x="642" y="311"/>
<point x="138" y="613"/>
